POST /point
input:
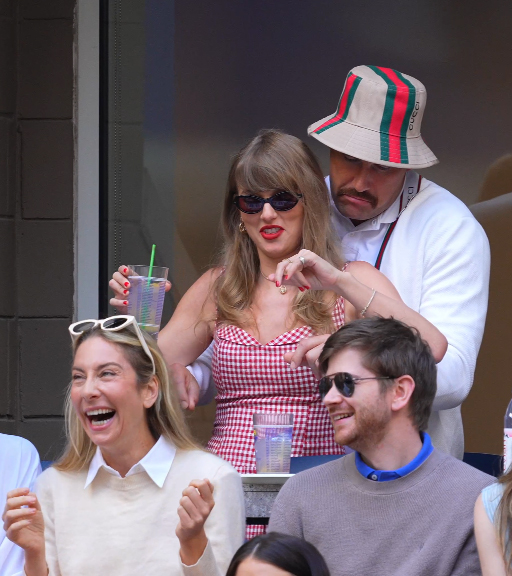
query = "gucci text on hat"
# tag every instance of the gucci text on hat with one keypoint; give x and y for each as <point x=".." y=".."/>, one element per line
<point x="378" y="119"/>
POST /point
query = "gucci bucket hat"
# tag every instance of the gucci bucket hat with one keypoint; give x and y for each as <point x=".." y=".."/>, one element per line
<point x="378" y="119"/>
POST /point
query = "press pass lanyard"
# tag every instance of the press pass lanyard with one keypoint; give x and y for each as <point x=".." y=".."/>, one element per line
<point x="412" y="191"/>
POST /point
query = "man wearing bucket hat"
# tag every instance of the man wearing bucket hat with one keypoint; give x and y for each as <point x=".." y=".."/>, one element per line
<point x="420" y="236"/>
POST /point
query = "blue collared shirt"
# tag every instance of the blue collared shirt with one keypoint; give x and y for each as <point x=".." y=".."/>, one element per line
<point x="385" y="475"/>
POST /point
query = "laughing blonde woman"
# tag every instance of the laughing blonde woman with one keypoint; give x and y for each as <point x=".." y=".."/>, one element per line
<point x="132" y="493"/>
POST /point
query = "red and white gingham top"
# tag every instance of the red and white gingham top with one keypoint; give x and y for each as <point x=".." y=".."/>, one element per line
<point x="253" y="377"/>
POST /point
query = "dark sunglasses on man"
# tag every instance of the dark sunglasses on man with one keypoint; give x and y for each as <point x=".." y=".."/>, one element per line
<point x="281" y="201"/>
<point x="345" y="383"/>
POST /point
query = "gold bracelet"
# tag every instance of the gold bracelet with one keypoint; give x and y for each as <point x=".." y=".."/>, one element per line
<point x="365" y="309"/>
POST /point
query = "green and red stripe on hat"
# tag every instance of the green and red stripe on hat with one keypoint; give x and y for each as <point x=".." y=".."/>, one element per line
<point x="378" y="119"/>
<point x="398" y="109"/>
<point x="347" y="97"/>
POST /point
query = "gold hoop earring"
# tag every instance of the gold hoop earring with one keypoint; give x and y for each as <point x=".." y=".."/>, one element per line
<point x="241" y="227"/>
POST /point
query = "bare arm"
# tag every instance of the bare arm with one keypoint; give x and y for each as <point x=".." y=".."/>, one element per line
<point x="489" y="550"/>
<point x="190" y="330"/>
<point x="356" y="286"/>
<point x="387" y="303"/>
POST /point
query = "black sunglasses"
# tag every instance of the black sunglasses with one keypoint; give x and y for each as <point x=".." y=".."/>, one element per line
<point x="281" y="201"/>
<point x="345" y="383"/>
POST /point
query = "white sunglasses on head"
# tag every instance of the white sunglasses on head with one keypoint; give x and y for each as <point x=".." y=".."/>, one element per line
<point x="112" y="324"/>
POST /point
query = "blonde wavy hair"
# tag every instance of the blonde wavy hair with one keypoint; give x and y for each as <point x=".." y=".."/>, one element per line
<point x="274" y="160"/>
<point x="165" y="417"/>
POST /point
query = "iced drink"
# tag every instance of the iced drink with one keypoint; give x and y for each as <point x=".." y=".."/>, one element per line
<point x="146" y="298"/>
<point x="273" y="442"/>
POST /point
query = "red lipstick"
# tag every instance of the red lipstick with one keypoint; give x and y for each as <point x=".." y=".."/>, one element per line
<point x="271" y="232"/>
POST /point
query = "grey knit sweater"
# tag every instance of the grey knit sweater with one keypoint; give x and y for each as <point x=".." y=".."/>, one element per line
<point x="418" y="525"/>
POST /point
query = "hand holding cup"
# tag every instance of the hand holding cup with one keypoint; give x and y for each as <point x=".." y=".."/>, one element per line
<point x="120" y="286"/>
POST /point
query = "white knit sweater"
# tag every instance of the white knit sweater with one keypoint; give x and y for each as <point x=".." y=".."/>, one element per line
<point x="438" y="258"/>
<point x="126" y="526"/>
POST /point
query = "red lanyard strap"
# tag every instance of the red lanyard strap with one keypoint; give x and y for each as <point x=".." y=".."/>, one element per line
<point x="392" y="226"/>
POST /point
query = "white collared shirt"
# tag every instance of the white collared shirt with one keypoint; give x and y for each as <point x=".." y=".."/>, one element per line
<point x="156" y="463"/>
<point x="363" y="242"/>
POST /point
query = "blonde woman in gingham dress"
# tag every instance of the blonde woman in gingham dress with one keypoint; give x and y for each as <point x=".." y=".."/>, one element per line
<point x="280" y="279"/>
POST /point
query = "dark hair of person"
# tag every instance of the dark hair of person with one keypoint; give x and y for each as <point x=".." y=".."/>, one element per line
<point x="390" y="348"/>
<point x="288" y="553"/>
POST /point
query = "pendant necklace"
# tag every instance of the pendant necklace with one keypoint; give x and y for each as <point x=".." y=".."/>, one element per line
<point x="282" y="288"/>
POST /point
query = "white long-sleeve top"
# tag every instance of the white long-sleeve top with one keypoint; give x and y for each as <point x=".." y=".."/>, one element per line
<point x="438" y="258"/>
<point x="19" y="468"/>
<point x="97" y="522"/>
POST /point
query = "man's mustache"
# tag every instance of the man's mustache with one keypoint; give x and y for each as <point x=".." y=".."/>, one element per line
<point x="365" y="195"/>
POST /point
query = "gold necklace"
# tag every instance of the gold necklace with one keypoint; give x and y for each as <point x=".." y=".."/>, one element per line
<point x="282" y="288"/>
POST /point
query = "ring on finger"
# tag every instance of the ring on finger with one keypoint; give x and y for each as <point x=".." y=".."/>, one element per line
<point x="289" y="260"/>
<point x="302" y="261"/>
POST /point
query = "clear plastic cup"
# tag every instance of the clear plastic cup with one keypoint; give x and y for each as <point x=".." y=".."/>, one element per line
<point x="146" y="298"/>
<point x="273" y="442"/>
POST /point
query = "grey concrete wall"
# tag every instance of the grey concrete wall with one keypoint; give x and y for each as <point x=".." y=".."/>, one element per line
<point x="36" y="217"/>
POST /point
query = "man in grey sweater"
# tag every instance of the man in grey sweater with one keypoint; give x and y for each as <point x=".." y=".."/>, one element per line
<point x="397" y="506"/>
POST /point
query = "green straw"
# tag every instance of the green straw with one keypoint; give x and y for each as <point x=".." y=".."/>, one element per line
<point x="151" y="262"/>
<point x="145" y="310"/>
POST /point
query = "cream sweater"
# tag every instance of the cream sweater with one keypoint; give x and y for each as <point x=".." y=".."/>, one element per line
<point x="126" y="526"/>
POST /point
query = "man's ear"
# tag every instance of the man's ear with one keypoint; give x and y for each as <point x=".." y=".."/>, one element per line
<point x="150" y="393"/>
<point x="402" y="392"/>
